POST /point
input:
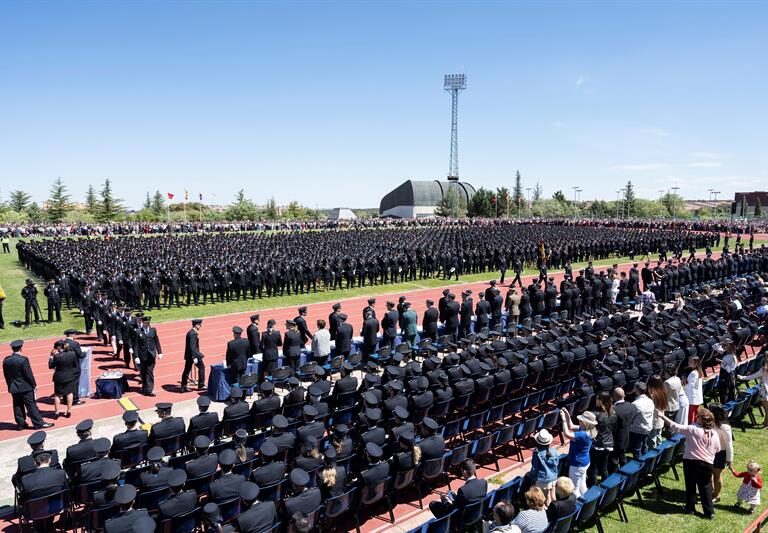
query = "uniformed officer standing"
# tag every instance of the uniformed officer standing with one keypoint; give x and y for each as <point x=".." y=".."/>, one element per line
<point x="237" y="355"/>
<point x="29" y="293"/>
<point x="53" y="294"/>
<point x="193" y="356"/>
<point x="271" y="341"/>
<point x="148" y="350"/>
<point x="21" y="384"/>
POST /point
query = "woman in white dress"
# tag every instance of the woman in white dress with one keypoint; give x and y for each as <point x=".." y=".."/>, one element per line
<point x="694" y="388"/>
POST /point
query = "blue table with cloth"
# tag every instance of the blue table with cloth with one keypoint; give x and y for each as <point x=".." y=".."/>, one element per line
<point x="111" y="387"/>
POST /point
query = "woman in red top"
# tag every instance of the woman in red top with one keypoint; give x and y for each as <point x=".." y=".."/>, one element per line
<point x="749" y="490"/>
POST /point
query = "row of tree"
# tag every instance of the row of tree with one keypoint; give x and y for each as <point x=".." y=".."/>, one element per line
<point x="102" y="206"/>
<point x="501" y="204"/>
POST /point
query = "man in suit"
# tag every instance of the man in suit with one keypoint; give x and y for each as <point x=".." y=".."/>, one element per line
<point x="344" y="335"/>
<point x="409" y="320"/>
<point x="26" y="463"/>
<point x="21" y="384"/>
<point x="254" y="336"/>
<point x="452" y="311"/>
<point x="271" y="341"/>
<point x="370" y="334"/>
<point x="472" y="491"/>
<point x="193" y="356"/>
<point x="168" y="426"/>
<point x="148" y="350"/>
<point x="389" y="326"/>
<point x="129" y="519"/>
<point x="204" y="419"/>
<point x="132" y="436"/>
<point x="74" y="346"/>
<point x="205" y="463"/>
<point x="429" y="321"/>
<point x="292" y="345"/>
<point x="465" y="313"/>
<point x="255" y="516"/>
<point x="371" y="307"/>
<point x="333" y="320"/>
<point x="180" y="501"/>
<point x="301" y="325"/>
<point x="237" y="354"/>
<point x="304" y="500"/>
<point x="625" y="413"/>
<point x="227" y="486"/>
<point x="44" y="481"/>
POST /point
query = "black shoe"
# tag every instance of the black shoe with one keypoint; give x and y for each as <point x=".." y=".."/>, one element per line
<point x="43" y="425"/>
<point x="184" y="389"/>
<point x="150" y="394"/>
<point x="200" y="389"/>
<point x="22" y="427"/>
<point x="78" y="402"/>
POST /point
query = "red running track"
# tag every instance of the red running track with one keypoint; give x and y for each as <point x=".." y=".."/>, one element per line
<point x="214" y="335"/>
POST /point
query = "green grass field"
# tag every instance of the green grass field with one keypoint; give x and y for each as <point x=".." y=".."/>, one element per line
<point x="12" y="276"/>
<point x="664" y="512"/>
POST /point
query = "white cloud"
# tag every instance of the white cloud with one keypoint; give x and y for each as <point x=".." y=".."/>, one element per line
<point x="640" y="166"/>
<point x="581" y="80"/>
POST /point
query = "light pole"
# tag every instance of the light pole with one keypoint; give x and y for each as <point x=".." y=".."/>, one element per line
<point x="711" y="205"/>
<point x="714" y="204"/>
<point x="530" y="207"/>
<point x="576" y="188"/>
<point x="617" y="202"/>
<point x="674" y="201"/>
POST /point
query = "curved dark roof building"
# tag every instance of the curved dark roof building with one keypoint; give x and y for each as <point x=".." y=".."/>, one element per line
<point x="419" y="198"/>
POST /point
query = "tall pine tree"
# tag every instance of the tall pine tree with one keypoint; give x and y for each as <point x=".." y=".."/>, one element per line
<point x="538" y="192"/>
<point x="19" y="201"/>
<point x="758" y="208"/>
<point x="517" y="196"/>
<point x="629" y="199"/>
<point x="158" y="205"/>
<point x="91" y="201"/>
<point x="58" y="203"/>
<point x="110" y="207"/>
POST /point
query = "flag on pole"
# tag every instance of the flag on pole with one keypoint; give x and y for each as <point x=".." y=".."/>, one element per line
<point x="186" y="195"/>
<point x="170" y="195"/>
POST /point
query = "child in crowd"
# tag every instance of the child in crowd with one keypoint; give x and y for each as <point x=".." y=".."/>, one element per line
<point x="544" y="465"/>
<point x="749" y="490"/>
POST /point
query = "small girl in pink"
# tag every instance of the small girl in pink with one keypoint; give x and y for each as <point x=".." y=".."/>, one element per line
<point x="749" y="490"/>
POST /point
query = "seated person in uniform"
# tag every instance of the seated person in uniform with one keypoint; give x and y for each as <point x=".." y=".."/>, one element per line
<point x="157" y="475"/>
<point x="26" y="464"/>
<point x="472" y="491"/>
<point x="205" y="463"/>
<point x="227" y="486"/>
<point x="304" y="500"/>
<point x="91" y="472"/>
<point x="255" y="516"/>
<point x="110" y="475"/>
<point x="168" y="426"/>
<point x="132" y="436"/>
<point x="129" y="519"/>
<point x="204" y="419"/>
<point x="377" y="470"/>
<point x="271" y="471"/>
<point x="44" y="481"/>
<point x="180" y="501"/>
<point x="82" y="451"/>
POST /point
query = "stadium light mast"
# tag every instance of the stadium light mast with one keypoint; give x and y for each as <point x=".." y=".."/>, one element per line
<point x="674" y="203"/>
<point x="454" y="84"/>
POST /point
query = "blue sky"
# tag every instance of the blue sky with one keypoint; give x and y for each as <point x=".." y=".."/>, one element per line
<point x="334" y="104"/>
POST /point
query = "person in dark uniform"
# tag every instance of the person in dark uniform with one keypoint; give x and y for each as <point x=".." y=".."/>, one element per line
<point x="452" y="311"/>
<point x="148" y="351"/>
<point x="389" y="326"/>
<point x="378" y="470"/>
<point x="431" y="445"/>
<point x="44" y="480"/>
<point x="311" y="426"/>
<point x="132" y="436"/>
<point x="82" y="451"/>
<point x="370" y="307"/>
<point x="344" y="334"/>
<point x="227" y="486"/>
<point x="255" y="516"/>
<point x="91" y="472"/>
<point x="347" y="382"/>
<point x="284" y="440"/>
<point x="129" y="519"/>
<point x="465" y="313"/>
<point x="21" y="384"/>
<point x="472" y="491"/>
<point x="52" y="293"/>
<point x="301" y="325"/>
<point x="193" y="356"/>
<point x="269" y="402"/>
<point x="271" y="470"/>
<point x="205" y="463"/>
<point x="304" y="500"/>
<point x="168" y="426"/>
<point x="110" y="476"/>
<point x="333" y="320"/>
<point x="26" y="463"/>
<point x="237" y="355"/>
<point x="63" y="362"/>
<point x="254" y="336"/>
<point x="370" y="334"/>
<point x="271" y="341"/>
<point x="204" y="419"/>
<point x="237" y="407"/>
<point x="429" y="321"/>
<point x="180" y="501"/>
<point x="332" y="478"/>
<point x="74" y="346"/>
<point x="157" y="475"/>
<point x="292" y="345"/>
<point x="29" y="293"/>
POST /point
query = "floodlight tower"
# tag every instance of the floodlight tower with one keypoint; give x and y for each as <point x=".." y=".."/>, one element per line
<point x="454" y="84"/>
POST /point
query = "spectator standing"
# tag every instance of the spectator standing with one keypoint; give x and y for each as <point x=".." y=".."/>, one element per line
<point x="581" y="437"/>
<point x="694" y="388"/>
<point x="642" y="423"/>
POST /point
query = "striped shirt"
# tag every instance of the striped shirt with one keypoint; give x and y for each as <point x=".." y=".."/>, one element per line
<point x="530" y="521"/>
